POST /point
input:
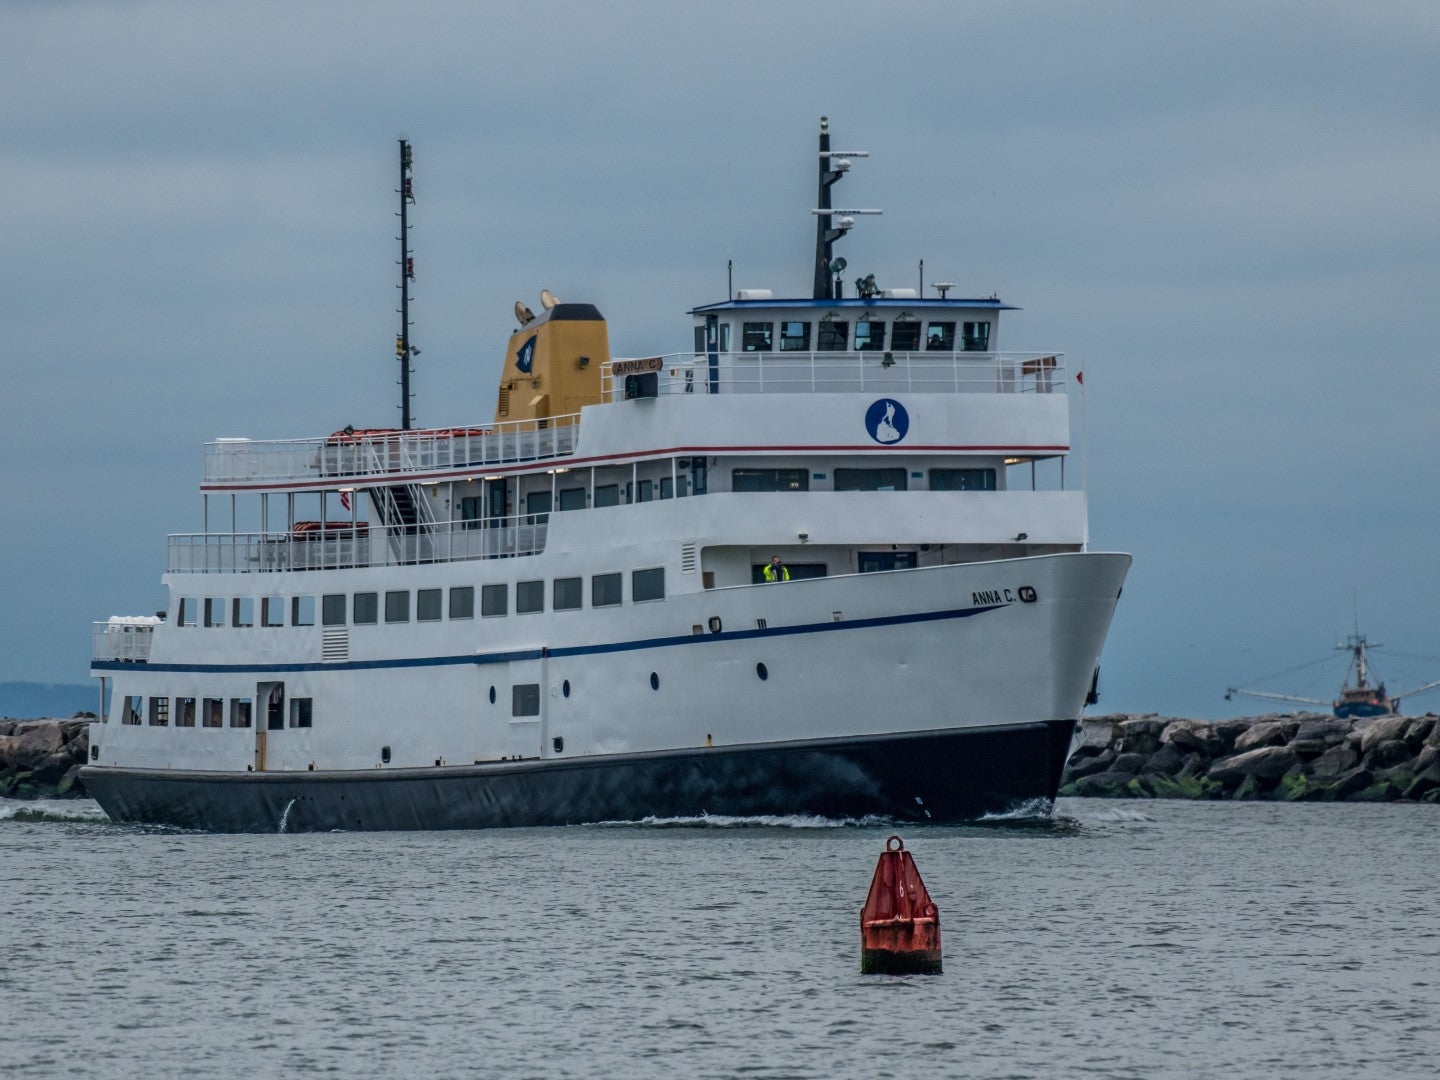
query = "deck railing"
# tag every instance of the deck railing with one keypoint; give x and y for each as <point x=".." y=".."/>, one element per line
<point x="272" y="552"/>
<point x="848" y="372"/>
<point x="356" y="454"/>
<point x="121" y="641"/>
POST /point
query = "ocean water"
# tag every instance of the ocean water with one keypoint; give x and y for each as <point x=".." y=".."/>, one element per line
<point x="1144" y="940"/>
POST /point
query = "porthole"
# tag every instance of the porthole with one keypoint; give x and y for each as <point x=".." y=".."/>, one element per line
<point x="558" y="742"/>
<point x="385" y="754"/>
<point x="492" y="695"/>
<point x="565" y="688"/>
<point x="762" y="671"/>
<point x="654" y="680"/>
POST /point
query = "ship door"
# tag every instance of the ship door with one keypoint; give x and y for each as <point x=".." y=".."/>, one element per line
<point x="527" y="707"/>
<point x="271" y="698"/>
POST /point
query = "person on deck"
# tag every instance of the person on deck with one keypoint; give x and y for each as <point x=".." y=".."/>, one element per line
<point x="775" y="571"/>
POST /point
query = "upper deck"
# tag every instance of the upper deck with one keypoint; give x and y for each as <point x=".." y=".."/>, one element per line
<point x="360" y="458"/>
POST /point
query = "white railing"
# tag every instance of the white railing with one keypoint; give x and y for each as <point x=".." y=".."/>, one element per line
<point x="122" y="640"/>
<point x="848" y="372"/>
<point x="356" y="455"/>
<point x="343" y="548"/>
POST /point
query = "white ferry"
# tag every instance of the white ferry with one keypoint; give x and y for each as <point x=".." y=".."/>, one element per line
<point x="564" y="614"/>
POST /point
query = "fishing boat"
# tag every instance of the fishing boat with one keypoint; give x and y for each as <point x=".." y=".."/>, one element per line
<point x="1359" y="696"/>
<point x="823" y="560"/>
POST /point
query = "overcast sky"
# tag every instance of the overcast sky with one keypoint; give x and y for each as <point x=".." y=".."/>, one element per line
<point x="1229" y="216"/>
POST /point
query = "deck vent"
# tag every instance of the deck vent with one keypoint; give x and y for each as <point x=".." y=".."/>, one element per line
<point x="688" y="561"/>
<point x="335" y="646"/>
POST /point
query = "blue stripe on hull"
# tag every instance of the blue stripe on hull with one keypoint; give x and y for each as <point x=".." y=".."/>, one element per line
<point x="923" y="777"/>
<point x="575" y="650"/>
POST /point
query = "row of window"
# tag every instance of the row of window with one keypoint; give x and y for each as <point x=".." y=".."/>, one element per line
<point x="430" y="605"/>
<point x="890" y="479"/>
<point x="213" y="712"/>
<point x="833" y="335"/>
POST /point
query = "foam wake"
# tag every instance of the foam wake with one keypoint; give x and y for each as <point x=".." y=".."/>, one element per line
<point x="759" y="821"/>
<point x="51" y="810"/>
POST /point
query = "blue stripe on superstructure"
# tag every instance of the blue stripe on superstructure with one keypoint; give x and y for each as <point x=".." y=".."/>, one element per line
<point x="572" y="650"/>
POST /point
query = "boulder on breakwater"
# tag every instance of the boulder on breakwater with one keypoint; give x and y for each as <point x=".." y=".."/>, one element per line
<point x="41" y="759"/>
<point x="1282" y="756"/>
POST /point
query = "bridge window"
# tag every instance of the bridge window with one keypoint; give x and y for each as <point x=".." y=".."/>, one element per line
<point x="159" y="712"/>
<point x="770" y="480"/>
<point x="187" y="611"/>
<point x="869" y="335"/>
<point x="976" y="336"/>
<point x="834" y="336"/>
<point x="605" y="590"/>
<point x="758" y="337"/>
<point x="185" y="712"/>
<point x="302" y="611"/>
<point x="366" y="609"/>
<point x="272" y="611"/>
<point x="212" y="712"/>
<point x="905" y="336"/>
<point x="494" y="600"/>
<point x="962" y="479"/>
<point x="647" y="585"/>
<point x="427" y="605"/>
<point x="332" y="609"/>
<point x="525" y="699"/>
<point x="130" y="709"/>
<point x="397" y="606"/>
<point x="569" y="593"/>
<point x="869" y="479"/>
<point x="242" y="611"/>
<point x="214" y="611"/>
<point x="462" y="602"/>
<point x="940" y="336"/>
<point x="529" y="596"/>
<point x="240" y="711"/>
<point x="794" y="337"/>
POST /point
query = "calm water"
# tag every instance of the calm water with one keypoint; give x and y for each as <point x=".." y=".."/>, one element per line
<point x="1164" y="939"/>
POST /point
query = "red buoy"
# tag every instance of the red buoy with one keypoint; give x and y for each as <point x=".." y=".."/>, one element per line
<point x="899" y="925"/>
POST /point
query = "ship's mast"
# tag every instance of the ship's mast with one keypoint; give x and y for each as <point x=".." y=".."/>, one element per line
<point x="830" y="224"/>
<point x="823" y="239"/>
<point x="1356" y="645"/>
<point x="403" y="350"/>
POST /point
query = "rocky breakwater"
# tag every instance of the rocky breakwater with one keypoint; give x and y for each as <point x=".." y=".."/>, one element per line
<point x="41" y="759"/>
<point x="1290" y="756"/>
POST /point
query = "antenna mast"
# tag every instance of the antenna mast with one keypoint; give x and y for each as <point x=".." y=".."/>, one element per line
<point x="831" y="224"/>
<point x="403" y="350"/>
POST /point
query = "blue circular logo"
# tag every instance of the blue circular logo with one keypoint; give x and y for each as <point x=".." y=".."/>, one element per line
<point x="887" y="421"/>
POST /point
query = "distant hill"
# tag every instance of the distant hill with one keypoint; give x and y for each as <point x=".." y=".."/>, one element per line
<point x="28" y="700"/>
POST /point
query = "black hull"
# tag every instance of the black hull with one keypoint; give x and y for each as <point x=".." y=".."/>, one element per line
<point x="923" y="777"/>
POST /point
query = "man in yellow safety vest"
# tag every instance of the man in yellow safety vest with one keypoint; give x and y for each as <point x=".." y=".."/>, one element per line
<point x="776" y="572"/>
